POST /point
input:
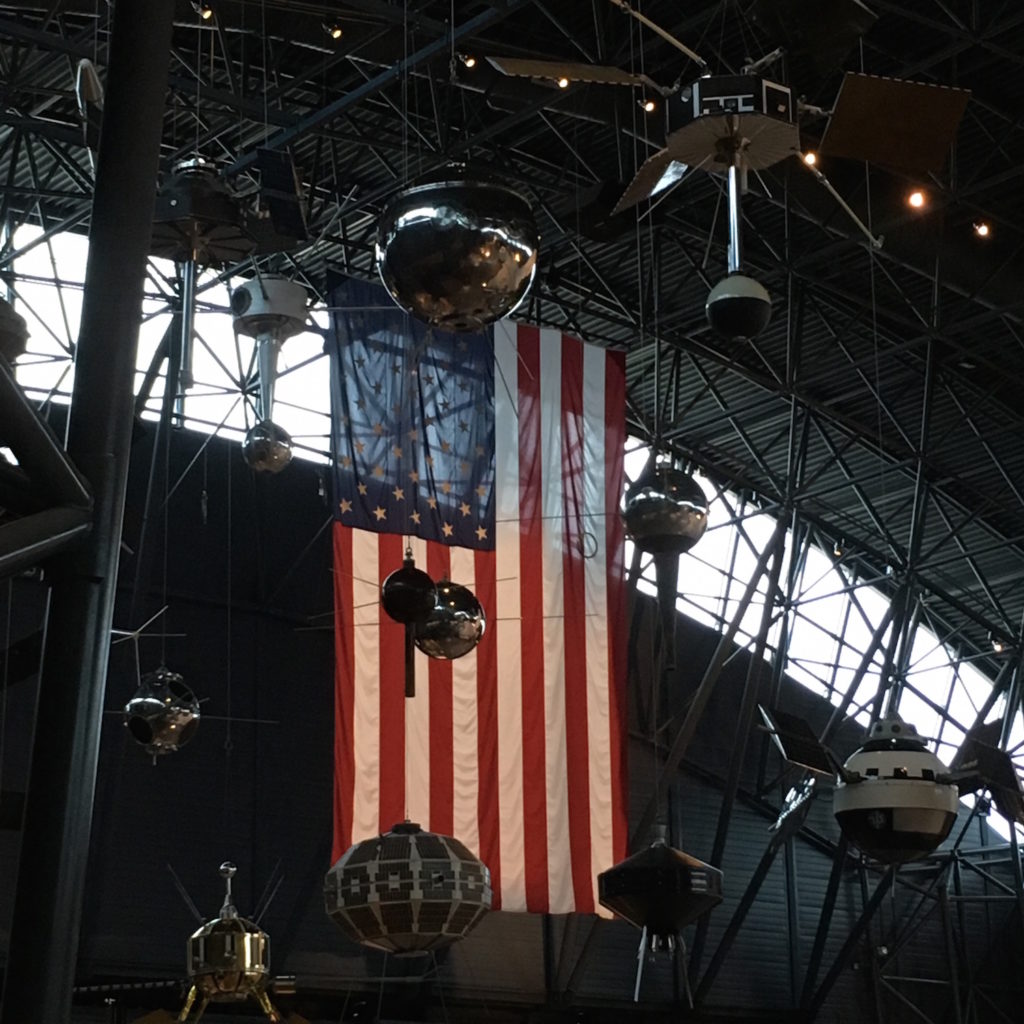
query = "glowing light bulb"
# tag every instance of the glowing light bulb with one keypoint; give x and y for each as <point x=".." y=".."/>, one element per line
<point x="469" y="60"/>
<point x="563" y="83"/>
<point x="648" y="106"/>
<point x="981" y="229"/>
<point x="916" y="199"/>
<point x="810" y="159"/>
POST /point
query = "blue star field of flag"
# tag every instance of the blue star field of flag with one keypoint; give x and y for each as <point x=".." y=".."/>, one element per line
<point x="413" y="421"/>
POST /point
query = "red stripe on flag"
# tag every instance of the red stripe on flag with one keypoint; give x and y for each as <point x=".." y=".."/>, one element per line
<point x="531" y="582"/>
<point x="615" y="441"/>
<point x="574" y="614"/>
<point x="344" y="693"/>
<point x="390" y="553"/>
<point x="442" y="784"/>
<point x="488" y="809"/>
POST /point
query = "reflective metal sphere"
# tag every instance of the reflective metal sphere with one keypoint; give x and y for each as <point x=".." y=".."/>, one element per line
<point x="164" y="713"/>
<point x="738" y="307"/>
<point x="407" y="891"/>
<point x="455" y="625"/>
<point x="888" y="802"/>
<point x="665" y="511"/>
<point x="458" y="254"/>
<point x="408" y="594"/>
<point x="267" y="448"/>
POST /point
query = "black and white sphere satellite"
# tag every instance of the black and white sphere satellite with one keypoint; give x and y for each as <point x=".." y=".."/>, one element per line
<point x="163" y="713"/>
<point x="459" y="252"/>
<point x="891" y="800"/>
<point x="738" y="307"/>
<point x="455" y="625"/>
<point x="407" y="891"/>
<point x="665" y="511"/>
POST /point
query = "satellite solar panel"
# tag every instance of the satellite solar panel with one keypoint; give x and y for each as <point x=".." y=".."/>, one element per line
<point x="796" y="741"/>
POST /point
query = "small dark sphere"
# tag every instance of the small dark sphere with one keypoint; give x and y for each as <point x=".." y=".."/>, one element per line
<point x="454" y="626"/>
<point x="738" y="307"/>
<point x="267" y="448"/>
<point x="408" y="594"/>
<point x="458" y="253"/>
<point x="163" y="714"/>
<point x="665" y="511"/>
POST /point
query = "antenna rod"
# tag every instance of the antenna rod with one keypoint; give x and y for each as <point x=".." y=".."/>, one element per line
<point x="876" y="241"/>
<point x="667" y="36"/>
<point x="735" y="252"/>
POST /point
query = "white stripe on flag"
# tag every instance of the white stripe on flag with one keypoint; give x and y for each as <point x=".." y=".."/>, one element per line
<point x="595" y="502"/>
<point x="417" y="725"/>
<point x="465" y="770"/>
<point x="560" y="890"/>
<point x="507" y="626"/>
<point x="366" y="611"/>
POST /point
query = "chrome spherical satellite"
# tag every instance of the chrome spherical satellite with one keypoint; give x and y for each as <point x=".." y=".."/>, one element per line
<point x="454" y="626"/>
<point x="458" y="253"/>
<point x="893" y="798"/>
<point x="163" y="713"/>
<point x="665" y="511"/>
<point x="229" y="959"/>
<point x="270" y="309"/>
<point x="407" y="891"/>
<point x="267" y="448"/>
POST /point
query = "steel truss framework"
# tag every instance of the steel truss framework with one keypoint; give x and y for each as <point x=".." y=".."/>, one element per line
<point x="878" y="416"/>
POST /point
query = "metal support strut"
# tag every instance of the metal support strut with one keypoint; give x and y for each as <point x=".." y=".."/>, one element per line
<point x="47" y="914"/>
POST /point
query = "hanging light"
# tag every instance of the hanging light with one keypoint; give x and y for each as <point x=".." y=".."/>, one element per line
<point x="468" y="60"/>
<point x="205" y="11"/>
<point x="647" y="105"/>
<point x="982" y="229"/>
<point x="333" y="29"/>
<point x="916" y="199"/>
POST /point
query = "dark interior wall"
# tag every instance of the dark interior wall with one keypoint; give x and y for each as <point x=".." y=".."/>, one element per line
<point x="254" y="787"/>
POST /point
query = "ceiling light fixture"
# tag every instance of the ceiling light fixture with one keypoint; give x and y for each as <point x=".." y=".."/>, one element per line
<point x="333" y="29"/>
<point x="982" y="229"/>
<point x="468" y="60"/>
<point x="205" y="11"/>
<point x="563" y="83"/>
<point x="916" y="199"/>
<point x="647" y="105"/>
<point x="810" y="158"/>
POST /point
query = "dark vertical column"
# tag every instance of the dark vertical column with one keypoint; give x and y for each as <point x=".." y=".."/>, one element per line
<point x="58" y="818"/>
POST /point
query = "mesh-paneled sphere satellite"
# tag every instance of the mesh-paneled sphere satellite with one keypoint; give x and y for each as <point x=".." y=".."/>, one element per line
<point x="661" y="889"/>
<point x="458" y="252"/>
<point x="889" y="800"/>
<point x="267" y="448"/>
<point x="455" y="625"/>
<point x="665" y="511"/>
<point x="163" y="714"/>
<point x="229" y="958"/>
<point x="738" y="307"/>
<point x="407" y="891"/>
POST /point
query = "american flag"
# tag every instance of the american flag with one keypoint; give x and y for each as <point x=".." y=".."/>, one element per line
<point x="498" y="459"/>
